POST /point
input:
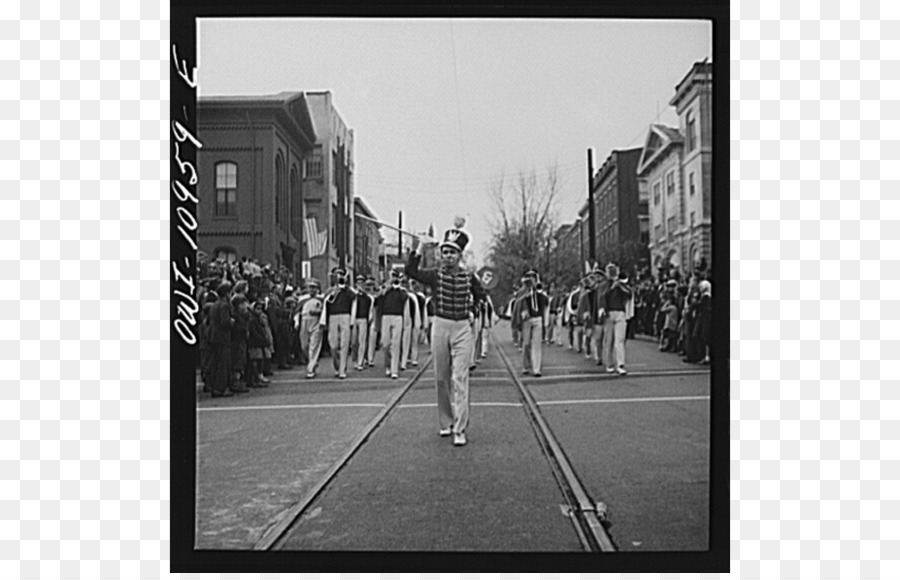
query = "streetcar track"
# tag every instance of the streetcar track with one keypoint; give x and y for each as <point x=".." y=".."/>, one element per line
<point x="587" y="517"/>
<point x="274" y="537"/>
<point x="584" y="514"/>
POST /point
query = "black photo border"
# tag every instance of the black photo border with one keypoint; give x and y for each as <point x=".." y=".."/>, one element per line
<point x="183" y="115"/>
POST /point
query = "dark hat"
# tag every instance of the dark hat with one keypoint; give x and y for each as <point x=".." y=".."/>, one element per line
<point x="223" y="289"/>
<point x="456" y="239"/>
<point x="360" y="278"/>
<point x="530" y="273"/>
<point x="338" y="271"/>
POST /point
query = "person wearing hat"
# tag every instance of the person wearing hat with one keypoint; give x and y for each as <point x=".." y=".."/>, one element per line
<point x="365" y="313"/>
<point x="419" y="329"/>
<point x="392" y="304"/>
<point x="340" y="309"/>
<point x="533" y="311"/>
<point x="453" y="289"/>
<point x="310" y="310"/>
<point x="615" y="302"/>
<point x="409" y="351"/>
<point x="592" y="314"/>
<point x="372" y="342"/>
<point x="516" y="315"/>
<point x="221" y="318"/>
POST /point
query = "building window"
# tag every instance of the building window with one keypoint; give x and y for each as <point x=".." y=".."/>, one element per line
<point x="226" y="189"/>
<point x="692" y="221"/>
<point x="226" y="254"/>
<point x="657" y="188"/>
<point x="279" y="167"/>
<point x="672" y="226"/>
<point x="690" y="133"/>
<point x="313" y="166"/>
<point x="294" y="204"/>
<point x="691" y="179"/>
<point x="670" y="183"/>
<point x="333" y="225"/>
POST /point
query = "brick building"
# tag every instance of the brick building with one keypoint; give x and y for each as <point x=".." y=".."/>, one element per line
<point x="367" y="240"/>
<point x="328" y="185"/>
<point x="250" y="177"/>
<point x="621" y="211"/>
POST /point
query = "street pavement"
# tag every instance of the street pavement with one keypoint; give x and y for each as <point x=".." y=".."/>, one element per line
<point x="639" y="443"/>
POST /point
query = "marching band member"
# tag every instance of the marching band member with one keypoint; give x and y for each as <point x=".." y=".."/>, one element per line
<point x="393" y="307"/>
<point x="451" y="336"/>
<point x="310" y="310"/>
<point x="340" y="309"/>
<point x="617" y="300"/>
<point x="360" y="331"/>
<point x="534" y="311"/>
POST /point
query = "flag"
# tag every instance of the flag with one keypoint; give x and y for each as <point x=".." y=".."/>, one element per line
<point x="316" y="241"/>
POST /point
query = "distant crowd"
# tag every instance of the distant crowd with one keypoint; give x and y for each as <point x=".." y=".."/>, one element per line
<point x="673" y="309"/>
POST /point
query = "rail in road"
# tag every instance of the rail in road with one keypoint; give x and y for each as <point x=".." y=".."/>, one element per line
<point x="586" y="515"/>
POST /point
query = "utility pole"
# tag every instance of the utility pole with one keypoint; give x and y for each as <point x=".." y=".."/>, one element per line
<point x="400" y="236"/>
<point x="581" y="244"/>
<point x="591" y="220"/>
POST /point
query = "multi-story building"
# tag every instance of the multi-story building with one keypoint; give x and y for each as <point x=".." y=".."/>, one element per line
<point x="693" y="103"/>
<point x="676" y="169"/>
<point x="660" y="170"/>
<point x="249" y="169"/>
<point x="620" y="212"/>
<point x="367" y="241"/>
<point x="328" y="186"/>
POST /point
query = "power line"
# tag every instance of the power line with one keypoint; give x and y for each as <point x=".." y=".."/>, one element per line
<point x="458" y="111"/>
<point x="577" y="165"/>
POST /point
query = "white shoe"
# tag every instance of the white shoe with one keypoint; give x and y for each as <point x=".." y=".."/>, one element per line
<point x="622" y="371"/>
<point x="445" y="432"/>
<point x="342" y="376"/>
<point x="610" y="369"/>
<point x="459" y="439"/>
<point x="393" y="376"/>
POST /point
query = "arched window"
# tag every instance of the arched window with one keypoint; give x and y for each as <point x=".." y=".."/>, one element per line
<point x="279" y="184"/>
<point x="226" y="189"/>
<point x="294" y="204"/>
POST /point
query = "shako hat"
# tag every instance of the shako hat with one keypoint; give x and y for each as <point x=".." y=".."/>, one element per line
<point x="456" y="239"/>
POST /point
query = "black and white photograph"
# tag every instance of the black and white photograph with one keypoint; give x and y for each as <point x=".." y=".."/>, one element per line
<point x="453" y="280"/>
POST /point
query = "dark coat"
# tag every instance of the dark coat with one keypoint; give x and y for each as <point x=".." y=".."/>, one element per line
<point x="220" y="319"/>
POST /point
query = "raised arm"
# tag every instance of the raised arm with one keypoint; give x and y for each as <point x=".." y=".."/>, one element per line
<point x="412" y="267"/>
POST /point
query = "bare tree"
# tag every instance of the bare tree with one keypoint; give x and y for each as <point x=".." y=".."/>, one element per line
<point x="523" y="224"/>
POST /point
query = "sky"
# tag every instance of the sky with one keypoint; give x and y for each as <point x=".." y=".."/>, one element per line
<point x="441" y="108"/>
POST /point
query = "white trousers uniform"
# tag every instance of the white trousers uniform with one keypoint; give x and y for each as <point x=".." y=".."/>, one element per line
<point x="405" y="343"/>
<point x="373" y="338"/>
<point x="452" y="344"/>
<point x="614" y="339"/>
<point x="414" y="346"/>
<point x="595" y="338"/>
<point x="339" y="341"/>
<point x="311" y="341"/>
<point x="532" y="346"/>
<point x="391" y="328"/>
<point x="358" y="339"/>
